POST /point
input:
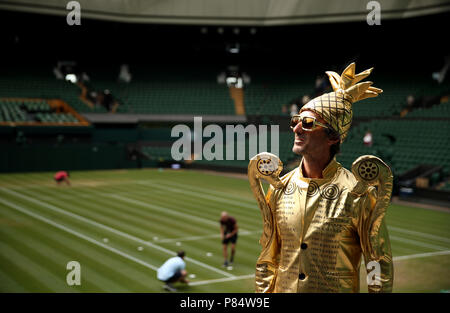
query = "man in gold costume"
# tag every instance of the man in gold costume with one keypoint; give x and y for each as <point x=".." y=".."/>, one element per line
<point x="320" y="218"/>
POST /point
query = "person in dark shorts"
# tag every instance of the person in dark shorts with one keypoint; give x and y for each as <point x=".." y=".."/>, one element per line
<point x="229" y="234"/>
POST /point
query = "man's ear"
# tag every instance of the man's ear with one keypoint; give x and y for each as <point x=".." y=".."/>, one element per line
<point x="332" y="141"/>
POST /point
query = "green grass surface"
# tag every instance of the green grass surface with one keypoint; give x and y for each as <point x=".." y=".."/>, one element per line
<point x="102" y="219"/>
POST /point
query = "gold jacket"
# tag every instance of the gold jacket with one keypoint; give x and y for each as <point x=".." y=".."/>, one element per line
<point x="318" y="229"/>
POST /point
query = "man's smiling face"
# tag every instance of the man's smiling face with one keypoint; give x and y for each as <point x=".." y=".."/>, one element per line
<point x="311" y="142"/>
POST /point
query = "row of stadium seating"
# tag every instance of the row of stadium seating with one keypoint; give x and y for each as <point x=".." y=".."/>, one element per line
<point x="10" y="112"/>
<point x="163" y="153"/>
<point x="56" y="118"/>
<point x="438" y="110"/>
<point x="31" y="110"/>
<point x="33" y="106"/>
<point x="184" y="90"/>
<point x="194" y="90"/>
<point x="40" y="82"/>
<point x="402" y="143"/>
<point x="165" y="90"/>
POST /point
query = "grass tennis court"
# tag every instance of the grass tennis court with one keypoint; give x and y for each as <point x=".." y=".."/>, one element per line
<point x="121" y="225"/>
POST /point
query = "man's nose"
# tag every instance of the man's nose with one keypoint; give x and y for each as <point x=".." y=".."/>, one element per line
<point x="298" y="128"/>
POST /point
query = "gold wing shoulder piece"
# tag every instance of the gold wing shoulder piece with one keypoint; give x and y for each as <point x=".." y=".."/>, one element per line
<point x="370" y="170"/>
<point x="266" y="166"/>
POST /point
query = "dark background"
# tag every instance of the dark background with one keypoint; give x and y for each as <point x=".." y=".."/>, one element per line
<point x="413" y="44"/>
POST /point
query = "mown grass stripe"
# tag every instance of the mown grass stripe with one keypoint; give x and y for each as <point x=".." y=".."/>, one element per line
<point x="416" y="243"/>
<point x="173" y="248"/>
<point x="190" y="206"/>
<point x="123" y="216"/>
<point x="41" y="254"/>
<point x="250" y="199"/>
<point x="24" y="274"/>
<point x="91" y="184"/>
<point x="399" y="249"/>
<point x="421" y="255"/>
<point x="418" y="238"/>
<point x="32" y="270"/>
<point x="164" y="210"/>
<point x="9" y="284"/>
<point x="77" y="234"/>
<point x="193" y="205"/>
<point x="115" y="231"/>
<point x="56" y="254"/>
<point x="101" y="212"/>
<point x="162" y="196"/>
<point x="179" y="201"/>
<point x="205" y="196"/>
<point x="100" y="262"/>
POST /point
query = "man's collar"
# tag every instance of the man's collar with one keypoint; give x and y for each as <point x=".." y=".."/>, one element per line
<point x="328" y="172"/>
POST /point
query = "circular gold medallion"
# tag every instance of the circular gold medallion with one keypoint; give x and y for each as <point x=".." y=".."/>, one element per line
<point x="368" y="170"/>
<point x="266" y="166"/>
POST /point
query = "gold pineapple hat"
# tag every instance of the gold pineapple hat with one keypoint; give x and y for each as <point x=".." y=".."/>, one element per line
<point x="336" y="107"/>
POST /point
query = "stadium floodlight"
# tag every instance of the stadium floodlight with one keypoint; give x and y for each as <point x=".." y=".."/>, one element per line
<point x="233" y="48"/>
<point x="231" y="80"/>
<point x="239" y="83"/>
<point x="72" y="78"/>
<point x="236" y="82"/>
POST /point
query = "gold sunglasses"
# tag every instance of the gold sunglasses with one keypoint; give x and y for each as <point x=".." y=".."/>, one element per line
<point x="309" y="123"/>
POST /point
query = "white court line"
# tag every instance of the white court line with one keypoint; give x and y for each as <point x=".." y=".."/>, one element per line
<point x="91" y="194"/>
<point x="231" y="278"/>
<point x="420" y="234"/>
<point x="246" y="276"/>
<point x="240" y="233"/>
<point x="398" y="258"/>
<point x="420" y="255"/>
<point x="393" y="237"/>
<point x="422" y="244"/>
<point x="238" y="204"/>
<point x="393" y="228"/>
<point x="112" y="230"/>
<point x="77" y="234"/>
<point x="167" y="210"/>
<point x="213" y="192"/>
<point x="220" y="280"/>
<point x="417" y="243"/>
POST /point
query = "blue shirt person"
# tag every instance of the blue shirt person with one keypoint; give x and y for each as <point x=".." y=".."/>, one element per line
<point x="173" y="270"/>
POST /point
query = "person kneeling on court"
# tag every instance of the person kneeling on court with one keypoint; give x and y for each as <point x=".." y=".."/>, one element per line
<point x="172" y="271"/>
<point x="62" y="176"/>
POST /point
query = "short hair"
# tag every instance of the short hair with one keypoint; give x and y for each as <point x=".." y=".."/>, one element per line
<point x="334" y="135"/>
<point x="181" y="254"/>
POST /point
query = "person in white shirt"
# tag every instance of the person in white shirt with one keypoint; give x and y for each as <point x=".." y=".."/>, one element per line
<point x="173" y="270"/>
